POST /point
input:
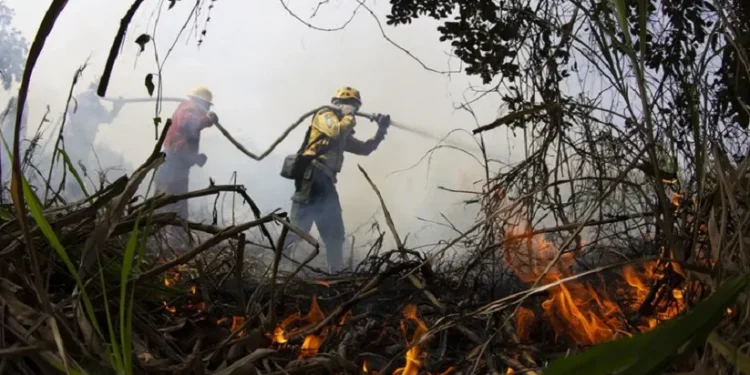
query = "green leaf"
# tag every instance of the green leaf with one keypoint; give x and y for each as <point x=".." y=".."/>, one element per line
<point x="5" y="214"/>
<point x="652" y="352"/>
<point x="115" y="354"/>
<point x="125" y="320"/>
<point x="72" y="170"/>
<point x="35" y="208"/>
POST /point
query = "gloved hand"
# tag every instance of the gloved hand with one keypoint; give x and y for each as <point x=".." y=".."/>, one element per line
<point x="118" y="104"/>
<point x="383" y="120"/>
<point x="214" y="118"/>
<point x="201" y="160"/>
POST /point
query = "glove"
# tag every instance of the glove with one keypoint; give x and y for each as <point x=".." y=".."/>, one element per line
<point x="201" y="160"/>
<point x="118" y="104"/>
<point x="214" y="118"/>
<point x="383" y="120"/>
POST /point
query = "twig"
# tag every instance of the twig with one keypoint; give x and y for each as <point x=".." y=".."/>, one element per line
<point x="239" y="265"/>
<point x="386" y="213"/>
<point x="275" y="273"/>
<point x="515" y="116"/>
<point x="184" y="258"/>
<point x="115" y="49"/>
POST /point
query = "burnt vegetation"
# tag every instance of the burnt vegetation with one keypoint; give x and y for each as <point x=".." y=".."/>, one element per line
<point x="626" y="222"/>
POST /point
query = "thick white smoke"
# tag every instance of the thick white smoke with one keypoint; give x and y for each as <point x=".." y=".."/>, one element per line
<point x="262" y="81"/>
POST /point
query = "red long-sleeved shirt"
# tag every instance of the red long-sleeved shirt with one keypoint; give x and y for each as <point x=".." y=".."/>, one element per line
<point x="183" y="136"/>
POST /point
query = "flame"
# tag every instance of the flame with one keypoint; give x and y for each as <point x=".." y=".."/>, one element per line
<point x="448" y="371"/>
<point x="344" y="319"/>
<point x="237" y="322"/>
<point x="171" y="309"/>
<point x="173" y="275"/>
<point x="171" y="278"/>
<point x="676" y="199"/>
<point x="575" y="309"/>
<point x="524" y="318"/>
<point x="193" y="289"/>
<point x="414" y="354"/>
<point x="279" y="333"/>
<point x="312" y="342"/>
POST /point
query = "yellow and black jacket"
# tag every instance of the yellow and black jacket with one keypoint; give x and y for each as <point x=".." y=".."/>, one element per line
<point x="332" y="134"/>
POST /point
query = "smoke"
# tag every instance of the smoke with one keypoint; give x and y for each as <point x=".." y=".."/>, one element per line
<point x="263" y="81"/>
<point x="7" y="129"/>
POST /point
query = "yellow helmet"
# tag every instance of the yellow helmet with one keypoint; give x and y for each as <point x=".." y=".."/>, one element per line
<point x="347" y="92"/>
<point x="202" y="93"/>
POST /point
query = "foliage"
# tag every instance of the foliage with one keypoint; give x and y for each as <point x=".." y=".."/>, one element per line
<point x="491" y="38"/>
<point x="13" y="48"/>
<point x="646" y="98"/>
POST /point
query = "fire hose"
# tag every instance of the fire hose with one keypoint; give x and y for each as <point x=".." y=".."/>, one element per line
<point x="241" y="148"/>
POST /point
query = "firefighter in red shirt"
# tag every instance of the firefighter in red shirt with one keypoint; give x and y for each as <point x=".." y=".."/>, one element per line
<point x="181" y="146"/>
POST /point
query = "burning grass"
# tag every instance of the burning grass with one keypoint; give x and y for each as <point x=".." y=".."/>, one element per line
<point x="586" y="311"/>
<point x="215" y="310"/>
<point x="516" y="299"/>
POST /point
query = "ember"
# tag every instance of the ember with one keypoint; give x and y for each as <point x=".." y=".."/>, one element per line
<point x="237" y="322"/>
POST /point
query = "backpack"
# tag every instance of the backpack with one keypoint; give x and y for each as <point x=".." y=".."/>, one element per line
<point x="295" y="165"/>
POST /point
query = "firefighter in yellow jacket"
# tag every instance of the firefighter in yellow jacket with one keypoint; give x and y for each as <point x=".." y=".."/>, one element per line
<point x="315" y="199"/>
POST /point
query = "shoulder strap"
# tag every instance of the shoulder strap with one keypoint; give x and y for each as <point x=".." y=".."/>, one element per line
<point x="305" y="141"/>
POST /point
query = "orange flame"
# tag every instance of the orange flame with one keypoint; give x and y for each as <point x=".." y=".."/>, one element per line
<point x="524" y="318"/>
<point x="344" y="319"/>
<point x="312" y="342"/>
<point x="279" y="333"/>
<point x="237" y="322"/>
<point x="414" y="354"/>
<point x="574" y="309"/>
<point x="448" y="371"/>
<point x="676" y="199"/>
<point x="171" y="309"/>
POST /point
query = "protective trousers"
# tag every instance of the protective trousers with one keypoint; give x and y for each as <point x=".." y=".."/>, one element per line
<point x="173" y="179"/>
<point x="317" y="201"/>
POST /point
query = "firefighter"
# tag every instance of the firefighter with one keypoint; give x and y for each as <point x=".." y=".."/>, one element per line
<point x="181" y="146"/>
<point x="315" y="199"/>
<point x="87" y="113"/>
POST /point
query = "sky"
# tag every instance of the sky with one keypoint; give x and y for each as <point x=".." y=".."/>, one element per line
<point x="265" y="69"/>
